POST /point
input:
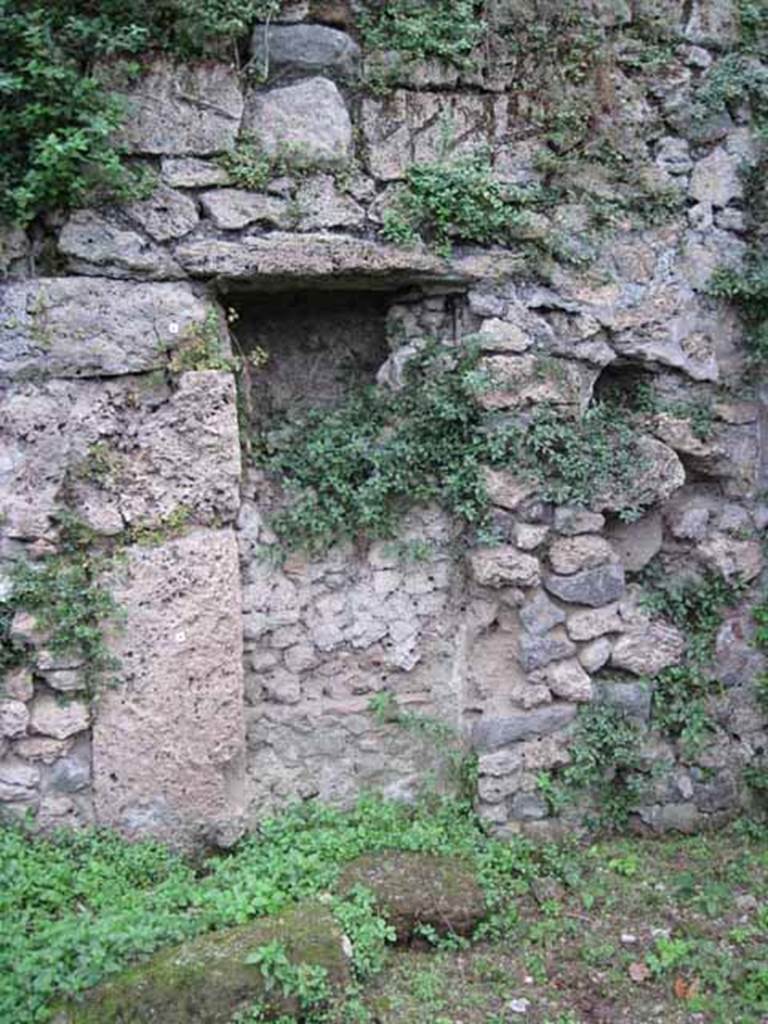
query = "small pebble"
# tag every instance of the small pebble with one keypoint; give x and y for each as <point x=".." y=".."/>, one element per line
<point x="519" y="1005"/>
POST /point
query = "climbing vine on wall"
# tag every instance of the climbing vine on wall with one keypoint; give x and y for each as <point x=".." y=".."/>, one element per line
<point x="57" y="120"/>
<point x="353" y="470"/>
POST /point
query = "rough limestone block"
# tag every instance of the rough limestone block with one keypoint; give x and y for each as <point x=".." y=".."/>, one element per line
<point x="183" y="110"/>
<point x="235" y="208"/>
<point x="716" y="179"/>
<point x="308" y="120"/>
<point x="18" y="781"/>
<point x="638" y="542"/>
<point x="97" y="244"/>
<point x="322" y="205"/>
<point x="281" y="258"/>
<point x="14" y="719"/>
<point x="588" y="624"/>
<point x="521" y="380"/>
<point x="52" y="718"/>
<point x="504" y="566"/>
<point x="566" y="679"/>
<point x="166" y="214"/>
<point x="309" y="49"/>
<point x="499" y="336"/>
<point x="648" y="651"/>
<point x="160" y="453"/>
<point x="570" y="554"/>
<point x="410" y="126"/>
<point x="168" y="740"/>
<point x="594" y="656"/>
<point x="192" y="172"/>
<point x="92" y="327"/>
<point x="659" y="474"/>
<point x="490" y="733"/>
<point x="505" y="489"/>
<point x="733" y="559"/>
<point x="573" y="521"/>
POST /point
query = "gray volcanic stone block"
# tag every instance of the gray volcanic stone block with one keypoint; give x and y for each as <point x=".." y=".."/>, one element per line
<point x="92" y="327"/>
<point x="537" y="651"/>
<point x="539" y="614"/>
<point x="492" y="732"/>
<point x="593" y="587"/>
<point x="308" y="121"/>
<point x="634" y="699"/>
<point x="183" y="110"/>
<point x="303" y="48"/>
<point x="99" y="245"/>
<point x="169" y="741"/>
<point x="282" y="258"/>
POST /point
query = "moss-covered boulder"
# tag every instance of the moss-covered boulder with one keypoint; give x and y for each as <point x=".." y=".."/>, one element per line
<point x="208" y="979"/>
<point x="413" y="889"/>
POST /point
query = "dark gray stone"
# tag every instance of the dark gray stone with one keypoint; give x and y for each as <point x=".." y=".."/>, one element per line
<point x="492" y="733"/>
<point x="539" y="614"/>
<point x="593" y="587"/>
<point x="538" y="651"/>
<point x="634" y="699"/>
<point x="718" y="794"/>
<point x="571" y="521"/>
<point x="70" y="775"/>
<point x="303" y="48"/>
<point x="529" y="807"/>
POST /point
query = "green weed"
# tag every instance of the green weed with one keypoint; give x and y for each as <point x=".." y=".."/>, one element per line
<point x="458" y="200"/>
<point x="58" y="120"/>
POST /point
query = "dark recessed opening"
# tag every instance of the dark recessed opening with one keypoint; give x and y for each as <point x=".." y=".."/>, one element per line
<point x="625" y="384"/>
<point x="319" y="345"/>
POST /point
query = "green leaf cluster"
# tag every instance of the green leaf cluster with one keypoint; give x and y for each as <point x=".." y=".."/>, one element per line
<point x="747" y="287"/>
<point x="70" y="603"/>
<point x="354" y="470"/>
<point x="80" y="906"/>
<point x="696" y="607"/>
<point x="606" y="759"/>
<point x="419" y="29"/>
<point x="458" y="200"/>
<point x="57" y="119"/>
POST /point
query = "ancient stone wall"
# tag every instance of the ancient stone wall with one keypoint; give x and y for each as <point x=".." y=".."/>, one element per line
<point x="242" y="683"/>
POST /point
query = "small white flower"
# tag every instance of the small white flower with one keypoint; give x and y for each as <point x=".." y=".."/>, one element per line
<point x="173" y="328"/>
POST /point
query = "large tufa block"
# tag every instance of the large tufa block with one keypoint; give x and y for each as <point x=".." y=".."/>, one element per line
<point x="182" y="110"/>
<point x="169" y="740"/>
<point x="307" y="122"/>
<point x="92" y="327"/>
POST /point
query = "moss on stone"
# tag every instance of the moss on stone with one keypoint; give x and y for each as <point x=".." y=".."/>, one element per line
<point x="413" y="889"/>
<point x="206" y="980"/>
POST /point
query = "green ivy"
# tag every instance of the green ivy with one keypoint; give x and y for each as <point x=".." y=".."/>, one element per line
<point x="353" y="471"/>
<point x="680" y="692"/>
<point x="458" y="200"/>
<point x="70" y="604"/>
<point x="605" y="759"/>
<point x="419" y="29"/>
<point x="57" y="120"/>
<point x="82" y="906"/>
<point x="747" y="287"/>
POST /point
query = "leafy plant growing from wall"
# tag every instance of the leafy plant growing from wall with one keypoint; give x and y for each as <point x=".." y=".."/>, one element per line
<point x="71" y="606"/>
<point x="57" y="120"/>
<point x="458" y="199"/>
<point x="352" y="471"/>
<point x="419" y="29"/>
<point x="680" y="692"/>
